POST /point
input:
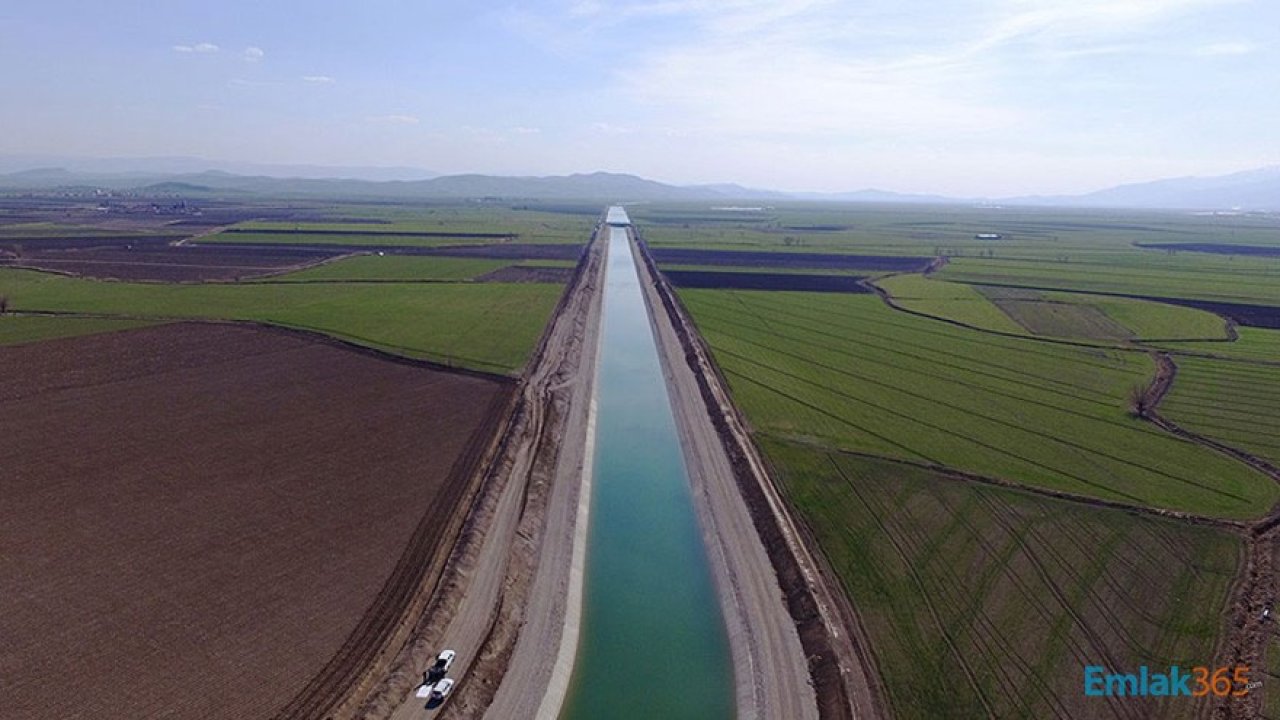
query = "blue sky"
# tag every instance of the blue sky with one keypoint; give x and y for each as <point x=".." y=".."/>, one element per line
<point x="973" y="97"/>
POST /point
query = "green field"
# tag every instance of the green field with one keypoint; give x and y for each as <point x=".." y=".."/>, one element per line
<point x="1041" y="315"/>
<point x="1027" y="233"/>
<point x="18" y="329"/>
<point x="846" y="372"/>
<point x="1153" y="321"/>
<point x="1231" y="402"/>
<point x="486" y="326"/>
<point x="1256" y="344"/>
<point x="525" y="225"/>
<point x="980" y="600"/>
<point x="1247" y="280"/>
<point x="387" y="239"/>
<point x="986" y="602"/>
<point x="1089" y="250"/>
<point x="395" y="267"/>
<point x="952" y="301"/>
<point x="1074" y="316"/>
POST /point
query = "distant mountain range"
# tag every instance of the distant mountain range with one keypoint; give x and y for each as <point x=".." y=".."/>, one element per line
<point x="164" y="166"/>
<point x="1249" y="190"/>
<point x="190" y="177"/>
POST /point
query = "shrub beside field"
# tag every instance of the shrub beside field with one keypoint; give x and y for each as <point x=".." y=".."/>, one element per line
<point x="987" y="602"/>
<point x="847" y="372"/>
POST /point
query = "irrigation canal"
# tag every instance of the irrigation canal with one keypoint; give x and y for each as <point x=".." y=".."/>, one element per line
<point x="653" y="642"/>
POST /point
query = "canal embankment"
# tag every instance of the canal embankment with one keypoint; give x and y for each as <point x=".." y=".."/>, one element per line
<point x="791" y="628"/>
<point x="653" y="640"/>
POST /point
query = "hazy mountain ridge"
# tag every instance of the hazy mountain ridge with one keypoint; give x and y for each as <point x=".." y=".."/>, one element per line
<point x="151" y="167"/>
<point x="1250" y="190"/>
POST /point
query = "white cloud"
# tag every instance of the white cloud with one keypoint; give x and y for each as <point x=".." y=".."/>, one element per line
<point x="875" y="70"/>
<point x="203" y="48"/>
<point x="317" y="79"/>
<point x="1226" y="49"/>
<point x="522" y="130"/>
<point x="254" y="54"/>
<point x="395" y="119"/>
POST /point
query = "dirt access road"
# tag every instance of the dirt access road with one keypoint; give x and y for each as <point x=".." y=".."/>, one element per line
<point x="524" y="518"/>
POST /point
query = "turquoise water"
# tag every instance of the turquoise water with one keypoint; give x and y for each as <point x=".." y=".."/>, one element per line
<point x="653" y="641"/>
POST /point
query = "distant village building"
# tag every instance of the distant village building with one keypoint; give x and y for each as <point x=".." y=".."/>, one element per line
<point x="988" y="236"/>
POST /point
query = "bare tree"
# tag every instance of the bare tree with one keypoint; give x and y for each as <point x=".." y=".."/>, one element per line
<point x="1140" y="400"/>
<point x="4" y="304"/>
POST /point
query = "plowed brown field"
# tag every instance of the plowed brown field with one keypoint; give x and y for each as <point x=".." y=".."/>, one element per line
<point x="197" y="519"/>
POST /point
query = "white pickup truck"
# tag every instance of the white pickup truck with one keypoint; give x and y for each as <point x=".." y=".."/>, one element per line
<point x="434" y="675"/>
